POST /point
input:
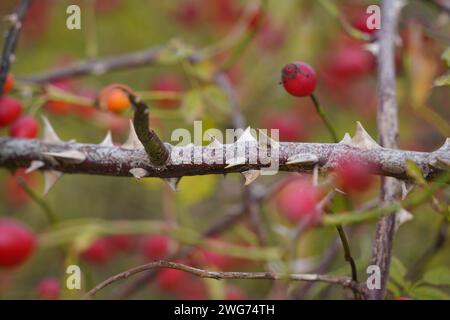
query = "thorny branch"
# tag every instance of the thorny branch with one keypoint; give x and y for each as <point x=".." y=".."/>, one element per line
<point x="343" y="281"/>
<point x="294" y="157"/>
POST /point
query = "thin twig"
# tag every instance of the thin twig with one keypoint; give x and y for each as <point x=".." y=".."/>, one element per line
<point x="218" y="227"/>
<point x="98" y="66"/>
<point x="343" y="281"/>
<point x="12" y="37"/>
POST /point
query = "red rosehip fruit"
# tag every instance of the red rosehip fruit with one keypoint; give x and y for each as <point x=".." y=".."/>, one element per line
<point x="298" y="201"/>
<point x="99" y="252"/>
<point x="17" y="243"/>
<point x="10" y="110"/>
<point x="353" y="175"/>
<point x="25" y="128"/>
<point x="156" y="247"/>
<point x="299" y="79"/>
<point x="48" y="289"/>
<point x="117" y="100"/>
<point x="8" y="84"/>
<point x="168" y="83"/>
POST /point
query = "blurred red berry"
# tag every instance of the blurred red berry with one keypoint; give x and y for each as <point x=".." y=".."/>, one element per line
<point x="188" y="14"/>
<point x="10" y="110"/>
<point x="48" y="289"/>
<point x="156" y="247"/>
<point x="122" y="242"/>
<point x="105" y="6"/>
<point x="14" y="193"/>
<point x="291" y="128"/>
<point x="17" y="243"/>
<point x="299" y="79"/>
<point x="25" y="128"/>
<point x="403" y="298"/>
<point x="213" y="259"/>
<point x="37" y="19"/>
<point x="99" y="252"/>
<point x="222" y="12"/>
<point x="360" y="23"/>
<point x="298" y="200"/>
<point x="270" y="36"/>
<point x="113" y="122"/>
<point x="353" y="175"/>
<point x="168" y="83"/>
<point x="349" y="62"/>
<point x="57" y="106"/>
<point x="8" y="84"/>
<point x="234" y="293"/>
<point x="171" y="280"/>
<point x="193" y="289"/>
<point x="256" y="17"/>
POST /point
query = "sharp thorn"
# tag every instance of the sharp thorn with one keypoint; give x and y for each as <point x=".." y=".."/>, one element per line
<point x="34" y="165"/>
<point x="50" y="178"/>
<point x="250" y="176"/>
<point x="138" y="173"/>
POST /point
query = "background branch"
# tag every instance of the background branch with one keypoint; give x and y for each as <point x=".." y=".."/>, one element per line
<point x="343" y="281"/>
<point x="12" y="36"/>
<point x="387" y="120"/>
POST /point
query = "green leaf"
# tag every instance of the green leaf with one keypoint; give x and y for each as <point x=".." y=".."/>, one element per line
<point x="442" y="80"/>
<point x="428" y="293"/>
<point x="196" y="189"/>
<point x="217" y="98"/>
<point x="393" y="288"/>
<point x="193" y="106"/>
<point x="398" y="272"/>
<point x="413" y="171"/>
<point x="438" y="276"/>
<point x="446" y="56"/>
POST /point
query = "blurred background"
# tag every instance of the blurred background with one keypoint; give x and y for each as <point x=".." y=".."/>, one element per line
<point x="251" y="41"/>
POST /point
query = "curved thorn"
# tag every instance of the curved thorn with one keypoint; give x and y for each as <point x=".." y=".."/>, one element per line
<point x="50" y="178"/>
<point x="34" y="165"/>
<point x="73" y="156"/>
<point x="49" y="135"/>
<point x="133" y="141"/>
<point x="235" y="162"/>
<point x="173" y="183"/>
<point x="362" y="139"/>
<point x="250" y="176"/>
<point x="107" y="141"/>
<point x="303" y="158"/>
<point x="138" y="173"/>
